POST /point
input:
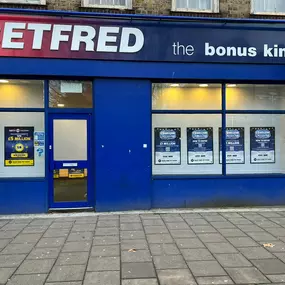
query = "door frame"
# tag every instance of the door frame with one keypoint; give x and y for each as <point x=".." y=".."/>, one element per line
<point x="89" y="203"/>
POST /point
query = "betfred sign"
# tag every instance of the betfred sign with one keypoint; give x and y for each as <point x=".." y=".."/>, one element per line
<point x="78" y="37"/>
<point x="134" y="40"/>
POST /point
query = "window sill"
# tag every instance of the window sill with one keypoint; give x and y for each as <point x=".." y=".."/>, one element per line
<point x="182" y="10"/>
<point x="42" y="3"/>
<point x="106" y="7"/>
<point x="267" y="14"/>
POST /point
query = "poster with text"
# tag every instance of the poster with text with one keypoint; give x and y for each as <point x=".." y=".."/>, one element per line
<point x="262" y="145"/>
<point x="167" y="143"/>
<point x="75" y="173"/>
<point x="19" y="146"/>
<point x="200" y="145"/>
<point x="234" y="145"/>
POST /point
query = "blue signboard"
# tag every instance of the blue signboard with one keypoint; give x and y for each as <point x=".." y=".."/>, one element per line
<point x="19" y="146"/>
<point x="234" y="145"/>
<point x="200" y="145"/>
<point x="167" y="146"/>
<point x="136" y="40"/>
<point x="262" y="145"/>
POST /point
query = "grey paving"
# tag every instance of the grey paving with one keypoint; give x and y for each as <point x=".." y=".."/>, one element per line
<point x="148" y="249"/>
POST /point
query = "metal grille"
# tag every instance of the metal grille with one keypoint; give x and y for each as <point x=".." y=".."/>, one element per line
<point x="268" y="6"/>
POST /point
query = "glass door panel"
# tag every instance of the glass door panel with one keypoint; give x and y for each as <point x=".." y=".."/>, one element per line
<point x="69" y="160"/>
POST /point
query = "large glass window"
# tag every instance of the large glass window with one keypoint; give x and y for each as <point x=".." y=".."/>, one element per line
<point x="70" y="94"/>
<point x="255" y="97"/>
<point x="175" y="96"/>
<point x="261" y="143"/>
<point x="185" y="142"/>
<point x="21" y="93"/>
<point x="189" y="137"/>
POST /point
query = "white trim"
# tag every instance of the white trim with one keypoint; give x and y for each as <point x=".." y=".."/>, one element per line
<point x="253" y="12"/>
<point x="215" y="5"/>
<point x="85" y="3"/>
<point x="27" y="2"/>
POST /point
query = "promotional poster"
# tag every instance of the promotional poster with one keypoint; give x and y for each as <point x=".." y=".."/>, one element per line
<point x="200" y="145"/>
<point x="167" y="146"/>
<point x="76" y="173"/>
<point x="19" y="146"/>
<point x="262" y="145"/>
<point x="234" y="145"/>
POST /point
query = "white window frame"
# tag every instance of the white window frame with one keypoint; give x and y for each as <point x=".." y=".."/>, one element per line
<point x="253" y="12"/>
<point x="85" y="3"/>
<point x="28" y="2"/>
<point x="215" y="5"/>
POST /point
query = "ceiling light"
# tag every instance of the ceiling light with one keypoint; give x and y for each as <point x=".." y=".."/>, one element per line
<point x="4" y="81"/>
<point x="60" y="105"/>
<point x="232" y="85"/>
<point x="203" y="85"/>
<point x="174" y="85"/>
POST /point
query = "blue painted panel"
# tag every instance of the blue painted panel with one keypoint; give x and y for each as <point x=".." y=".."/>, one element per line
<point x="218" y="192"/>
<point x="123" y="125"/>
<point x="23" y="196"/>
<point x="159" y="71"/>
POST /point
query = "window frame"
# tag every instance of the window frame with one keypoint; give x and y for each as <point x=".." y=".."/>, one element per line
<point x="85" y="4"/>
<point x="223" y="112"/>
<point x="24" y="2"/>
<point x="215" y="9"/>
<point x="253" y="12"/>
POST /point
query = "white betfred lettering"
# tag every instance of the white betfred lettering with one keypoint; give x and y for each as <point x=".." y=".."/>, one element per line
<point x="104" y="38"/>
<point x="39" y="30"/>
<point x="79" y="37"/>
<point x="10" y="34"/>
<point x="267" y="51"/>
<point x="57" y="36"/>
<point x="125" y="39"/>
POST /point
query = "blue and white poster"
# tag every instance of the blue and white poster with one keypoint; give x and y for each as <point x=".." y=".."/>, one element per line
<point x="200" y="145"/>
<point x="262" y="145"/>
<point x="19" y="146"/>
<point x="234" y="145"/>
<point x="167" y="146"/>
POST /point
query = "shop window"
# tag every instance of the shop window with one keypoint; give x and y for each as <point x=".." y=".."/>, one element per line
<point x="22" y="142"/>
<point x="117" y="4"/>
<point x="185" y="144"/>
<point x="208" y="6"/>
<point x="255" y="97"/>
<point x="174" y="96"/>
<point x="267" y="6"/>
<point x="70" y="94"/>
<point x="21" y="93"/>
<point x="259" y="146"/>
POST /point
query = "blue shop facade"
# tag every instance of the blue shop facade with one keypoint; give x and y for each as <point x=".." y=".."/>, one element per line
<point x="128" y="112"/>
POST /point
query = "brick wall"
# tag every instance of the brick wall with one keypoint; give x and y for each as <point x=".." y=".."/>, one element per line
<point x="228" y="8"/>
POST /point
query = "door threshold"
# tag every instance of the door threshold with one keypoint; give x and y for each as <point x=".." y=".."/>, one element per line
<point x="71" y="210"/>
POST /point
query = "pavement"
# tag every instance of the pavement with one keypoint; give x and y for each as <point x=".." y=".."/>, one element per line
<point x="182" y="248"/>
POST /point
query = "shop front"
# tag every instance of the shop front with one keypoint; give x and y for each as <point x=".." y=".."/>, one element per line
<point x="129" y="112"/>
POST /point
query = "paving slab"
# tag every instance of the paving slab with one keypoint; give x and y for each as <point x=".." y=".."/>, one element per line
<point x="67" y="273"/>
<point x="36" y="266"/>
<point x="247" y="275"/>
<point x="206" y="268"/>
<point x="31" y="279"/>
<point x="214" y="280"/>
<point x="106" y="263"/>
<point x="175" y="277"/>
<point x="138" y="270"/>
<point x="169" y="262"/>
<point x="270" y="266"/>
<point x="102" y="278"/>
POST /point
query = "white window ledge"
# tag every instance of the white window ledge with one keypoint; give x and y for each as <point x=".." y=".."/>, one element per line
<point x="128" y="5"/>
<point x="24" y="2"/>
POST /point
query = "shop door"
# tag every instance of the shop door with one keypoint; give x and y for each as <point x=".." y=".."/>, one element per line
<point x="70" y="167"/>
